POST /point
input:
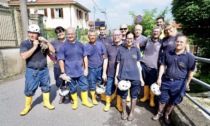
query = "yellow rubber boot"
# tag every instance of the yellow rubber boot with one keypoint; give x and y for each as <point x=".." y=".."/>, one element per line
<point x="85" y="102"/>
<point x="75" y="100"/>
<point x="128" y="99"/>
<point x="113" y="95"/>
<point x="103" y="97"/>
<point x="152" y="99"/>
<point x="119" y="104"/>
<point x="93" y="95"/>
<point x="107" y="107"/>
<point x="27" y="106"/>
<point x="46" y="100"/>
<point x="146" y="94"/>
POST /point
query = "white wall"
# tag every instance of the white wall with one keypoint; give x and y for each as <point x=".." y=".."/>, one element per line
<point x="69" y="17"/>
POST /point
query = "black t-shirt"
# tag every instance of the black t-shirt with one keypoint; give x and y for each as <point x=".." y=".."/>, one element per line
<point x="38" y="58"/>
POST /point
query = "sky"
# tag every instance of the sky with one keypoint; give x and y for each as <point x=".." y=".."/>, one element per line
<point x="117" y="11"/>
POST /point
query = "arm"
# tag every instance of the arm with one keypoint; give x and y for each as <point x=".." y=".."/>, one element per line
<point x="190" y="76"/>
<point x="140" y="72"/>
<point x="27" y="54"/>
<point x="85" y="66"/>
<point x="105" y="64"/>
<point x="61" y="64"/>
<point x="51" y="48"/>
<point x="161" y="71"/>
<point x="117" y="71"/>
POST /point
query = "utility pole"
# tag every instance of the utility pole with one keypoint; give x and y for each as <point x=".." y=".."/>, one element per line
<point x="24" y="17"/>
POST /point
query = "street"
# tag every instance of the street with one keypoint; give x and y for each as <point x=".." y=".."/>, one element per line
<point x="12" y="101"/>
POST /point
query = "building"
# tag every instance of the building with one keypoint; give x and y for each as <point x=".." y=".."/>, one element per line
<point x="63" y="13"/>
<point x="3" y="3"/>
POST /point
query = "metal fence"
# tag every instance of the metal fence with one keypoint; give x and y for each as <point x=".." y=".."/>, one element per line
<point x="201" y="83"/>
<point x="8" y="36"/>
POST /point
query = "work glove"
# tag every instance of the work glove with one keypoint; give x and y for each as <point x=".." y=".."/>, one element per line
<point x="65" y="77"/>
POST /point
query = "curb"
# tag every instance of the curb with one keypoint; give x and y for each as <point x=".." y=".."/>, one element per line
<point x="186" y="114"/>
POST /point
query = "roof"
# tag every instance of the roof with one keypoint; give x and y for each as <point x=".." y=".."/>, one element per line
<point x="49" y="2"/>
<point x="175" y="24"/>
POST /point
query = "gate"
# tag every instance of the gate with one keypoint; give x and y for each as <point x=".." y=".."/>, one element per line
<point x="8" y="36"/>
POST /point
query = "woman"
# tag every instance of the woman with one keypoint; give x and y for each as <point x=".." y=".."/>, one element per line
<point x="129" y="69"/>
<point x="57" y="43"/>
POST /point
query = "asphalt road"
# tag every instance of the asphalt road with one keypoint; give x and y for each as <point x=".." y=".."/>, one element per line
<point x="12" y="102"/>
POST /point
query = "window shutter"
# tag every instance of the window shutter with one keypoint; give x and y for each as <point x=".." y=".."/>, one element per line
<point x="61" y="12"/>
<point x="86" y="16"/>
<point x="52" y="13"/>
<point x="77" y="14"/>
<point x="45" y="12"/>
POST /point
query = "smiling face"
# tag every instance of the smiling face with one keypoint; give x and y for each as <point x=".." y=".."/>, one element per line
<point x="129" y="39"/>
<point x="160" y="22"/>
<point x="117" y="36"/>
<point x="181" y="43"/>
<point x="124" y="29"/>
<point x="61" y="35"/>
<point x="102" y="30"/>
<point x="71" y="34"/>
<point x="156" y="33"/>
<point x="92" y="36"/>
<point x="138" y="30"/>
<point x="33" y="36"/>
<point x="170" y="30"/>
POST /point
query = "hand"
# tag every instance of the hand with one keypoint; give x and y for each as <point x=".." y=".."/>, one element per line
<point x="142" y="82"/>
<point x="85" y="72"/>
<point x="44" y="46"/>
<point x="42" y="39"/>
<point x="104" y="77"/>
<point x="187" y="87"/>
<point x="137" y="45"/>
<point x="65" y="77"/>
<point x="35" y="43"/>
<point x="116" y="81"/>
<point x="159" y="81"/>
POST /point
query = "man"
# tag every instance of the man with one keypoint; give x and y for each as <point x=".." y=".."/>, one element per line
<point x="34" y="50"/>
<point x="149" y="63"/>
<point x="161" y="23"/>
<point x="179" y="66"/>
<point x="102" y="36"/>
<point x="71" y="60"/>
<point x="95" y="52"/>
<point x="124" y="30"/>
<point x="109" y="74"/>
<point x="138" y="33"/>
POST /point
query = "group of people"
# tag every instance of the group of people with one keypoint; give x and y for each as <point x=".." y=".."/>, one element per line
<point x="162" y="58"/>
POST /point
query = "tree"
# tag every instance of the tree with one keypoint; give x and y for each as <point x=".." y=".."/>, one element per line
<point x="149" y="20"/>
<point x="194" y="15"/>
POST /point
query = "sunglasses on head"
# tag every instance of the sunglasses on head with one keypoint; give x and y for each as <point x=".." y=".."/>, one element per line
<point x="123" y="28"/>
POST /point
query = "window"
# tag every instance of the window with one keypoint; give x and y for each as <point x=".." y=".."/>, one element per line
<point x="79" y="14"/>
<point x="56" y="12"/>
<point x="86" y="16"/>
<point x="41" y="11"/>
